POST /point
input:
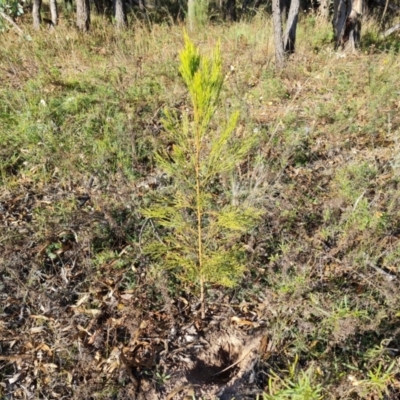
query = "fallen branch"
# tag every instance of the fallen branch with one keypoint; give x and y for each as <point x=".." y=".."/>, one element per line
<point x="10" y="21"/>
<point x="391" y="30"/>
<point x="387" y="5"/>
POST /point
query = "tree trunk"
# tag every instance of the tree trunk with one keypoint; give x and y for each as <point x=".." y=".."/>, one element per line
<point x="341" y="10"/>
<point x="37" y="19"/>
<point x="353" y="25"/>
<point x="277" y="21"/>
<point x="347" y="23"/>
<point x="120" y="14"/>
<point x="191" y="14"/>
<point x="289" y="39"/>
<point x="54" y="12"/>
<point x="323" y="9"/>
<point x="83" y="15"/>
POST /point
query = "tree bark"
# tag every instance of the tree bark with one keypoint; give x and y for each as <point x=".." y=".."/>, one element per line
<point x="83" y="15"/>
<point x="353" y="26"/>
<point x="37" y="19"/>
<point x="341" y="10"/>
<point x="191" y="14"/>
<point x="347" y="23"/>
<point x="120" y="14"/>
<point x="54" y="12"/>
<point x="277" y="22"/>
<point x="289" y="39"/>
<point x="323" y="9"/>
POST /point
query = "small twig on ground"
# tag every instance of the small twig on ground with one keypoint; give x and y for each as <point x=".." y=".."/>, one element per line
<point x="235" y="363"/>
<point x="148" y="220"/>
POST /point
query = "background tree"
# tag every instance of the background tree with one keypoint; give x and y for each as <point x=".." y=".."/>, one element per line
<point x="191" y="14"/>
<point x="53" y="12"/>
<point x="120" y="14"/>
<point x="37" y="19"/>
<point x="347" y="23"/>
<point x="83" y="15"/>
<point x="284" y="44"/>
<point x="197" y="13"/>
<point x="278" y="37"/>
<point x="323" y="9"/>
<point x="289" y="38"/>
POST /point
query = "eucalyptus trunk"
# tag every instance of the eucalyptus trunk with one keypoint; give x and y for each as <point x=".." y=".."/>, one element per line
<point x="120" y="14"/>
<point x="191" y="14"/>
<point x="83" y="15"/>
<point x="54" y="12"/>
<point x="289" y="39"/>
<point x="37" y="19"/>
<point x="277" y="20"/>
<point x="347" y="23"/>
<point x="323" y="9"/>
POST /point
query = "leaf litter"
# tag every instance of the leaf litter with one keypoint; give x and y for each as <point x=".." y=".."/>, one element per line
<point x="71" y="331"/>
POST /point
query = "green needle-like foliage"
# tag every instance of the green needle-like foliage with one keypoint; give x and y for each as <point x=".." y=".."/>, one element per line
<point x="203" y="240"/>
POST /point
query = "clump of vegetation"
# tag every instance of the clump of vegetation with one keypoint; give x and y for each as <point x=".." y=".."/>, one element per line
<point x="294" y="385"/>
<point x="204" y="227"/>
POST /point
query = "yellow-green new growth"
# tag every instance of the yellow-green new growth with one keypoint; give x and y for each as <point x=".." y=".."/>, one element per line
<point x="202" y="240"/>
<point x="203" y="78"/>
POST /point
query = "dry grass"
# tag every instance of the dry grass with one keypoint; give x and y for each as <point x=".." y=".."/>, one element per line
<point x="82" y="313"/>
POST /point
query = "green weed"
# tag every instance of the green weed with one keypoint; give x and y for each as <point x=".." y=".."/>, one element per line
<point x="295" y="385"/>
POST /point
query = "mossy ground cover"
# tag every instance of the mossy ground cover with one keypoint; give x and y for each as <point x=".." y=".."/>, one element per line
<point x="83" y="312"/>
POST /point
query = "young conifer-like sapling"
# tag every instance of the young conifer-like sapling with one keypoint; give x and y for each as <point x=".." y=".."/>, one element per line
<point x="204" y="226"/>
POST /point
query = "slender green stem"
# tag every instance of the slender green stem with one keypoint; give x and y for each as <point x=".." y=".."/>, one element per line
<point x="199" y="216"/>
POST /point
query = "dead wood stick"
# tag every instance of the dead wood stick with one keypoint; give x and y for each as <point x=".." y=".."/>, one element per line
<point x="10" y="21"/>
<point x="390" y="6"/>
<point x="189" y="389"/>
<point x="391" y="30"/>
